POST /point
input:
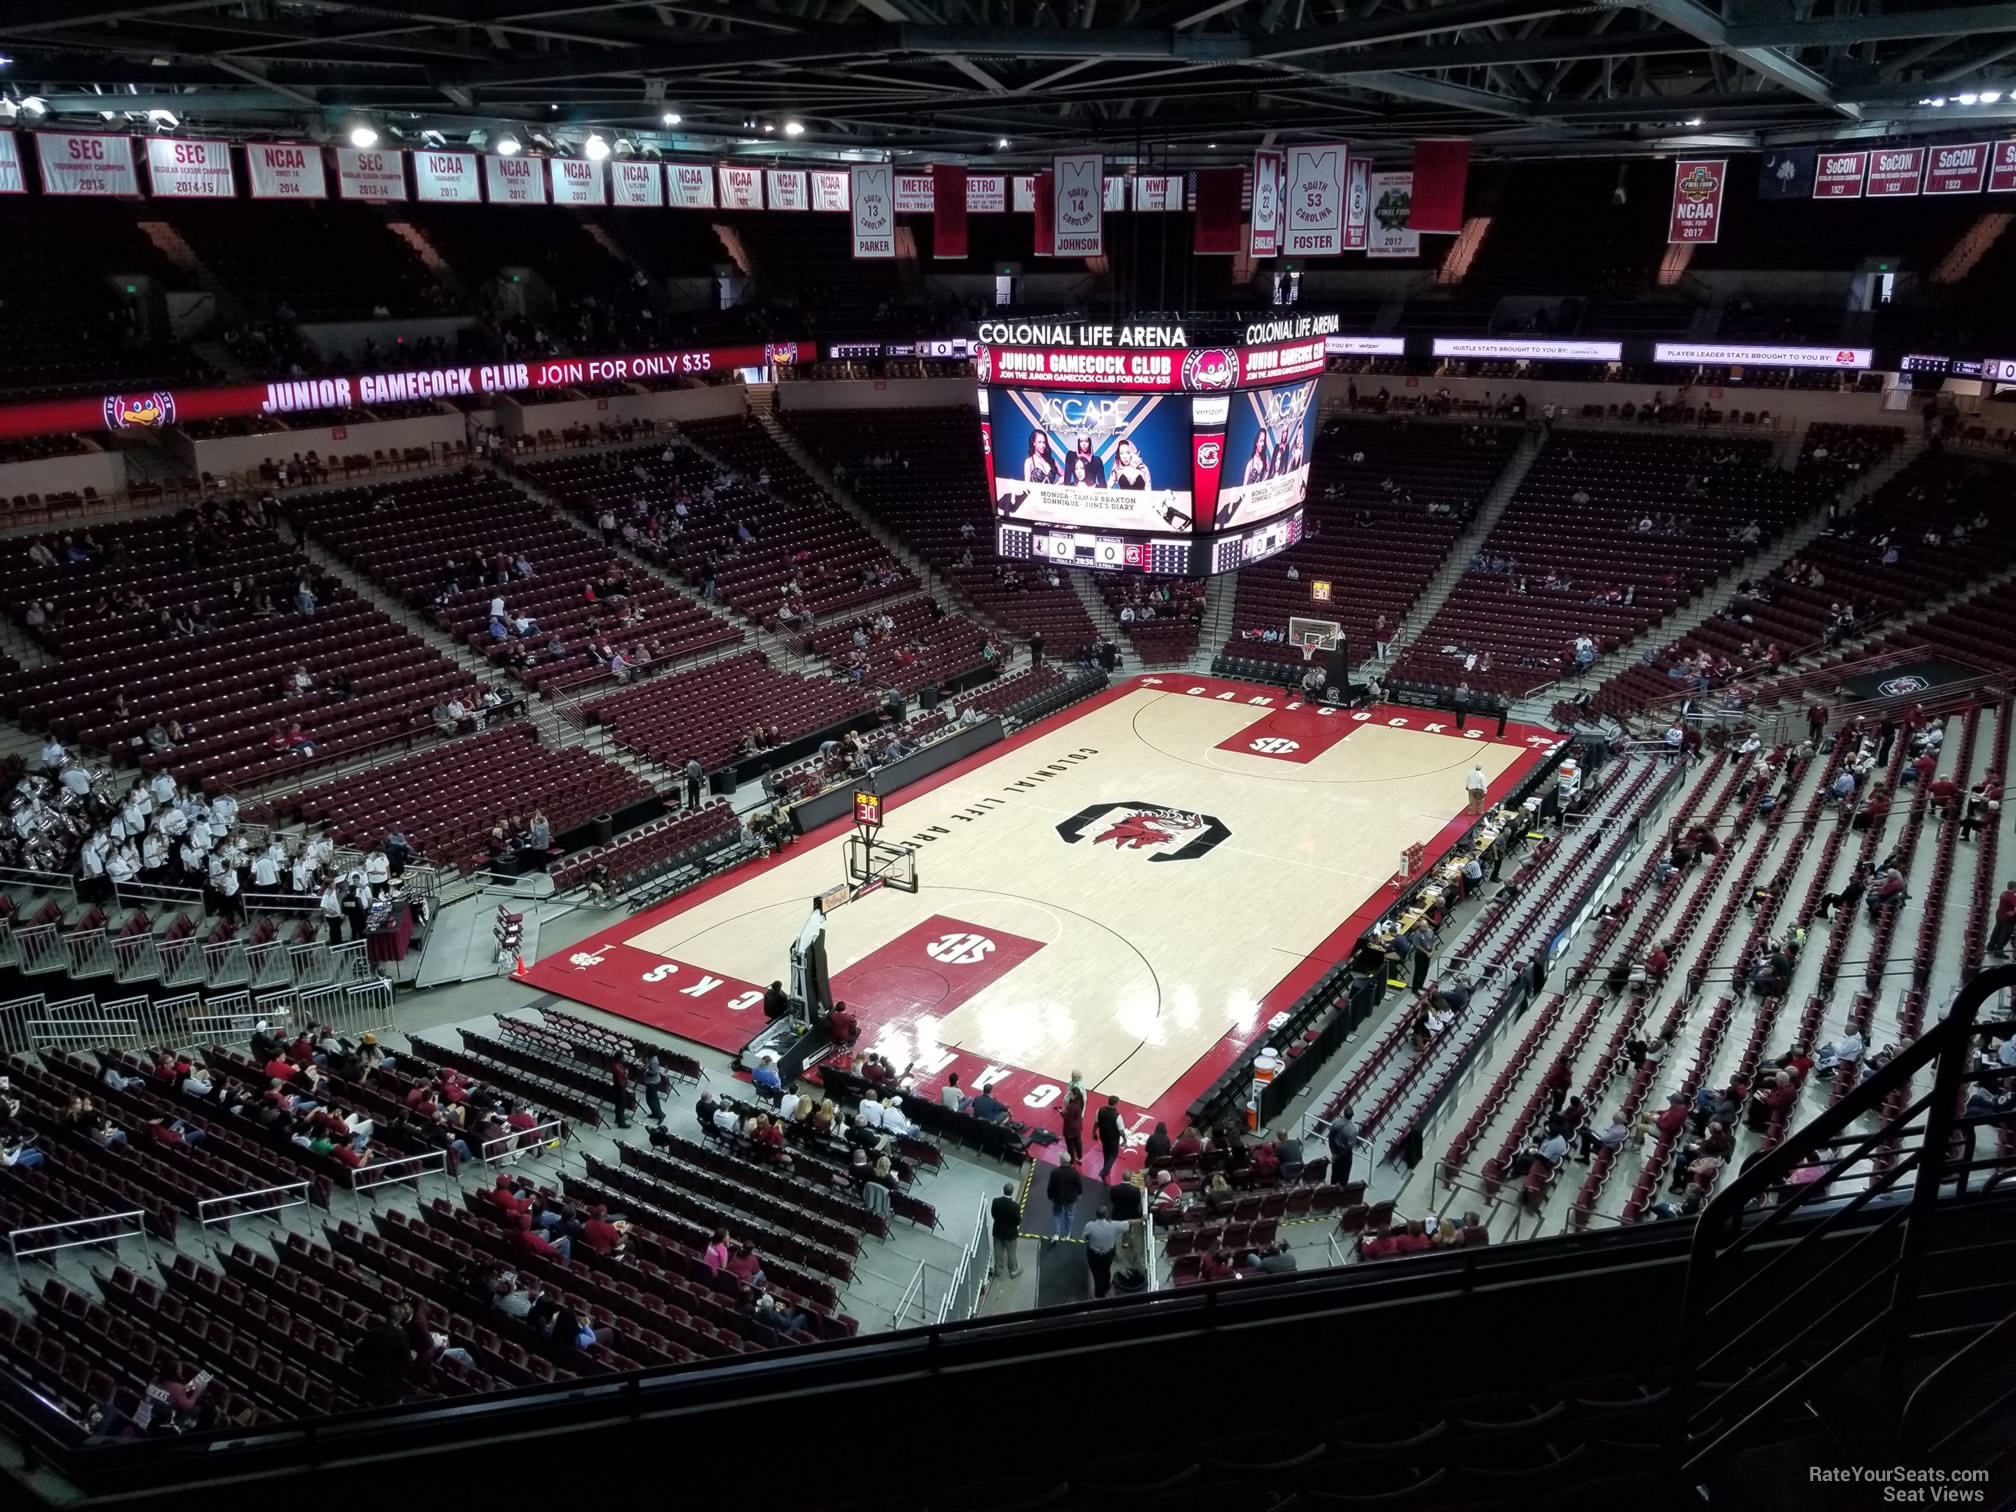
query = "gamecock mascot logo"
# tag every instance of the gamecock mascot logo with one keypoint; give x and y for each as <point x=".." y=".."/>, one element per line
<point x="1146" y="826"/>
<point x="1901" y="687"/>
<point x="1210" y="369"/>
<point x="983" y="364"/>
<point x="139" y="411"/>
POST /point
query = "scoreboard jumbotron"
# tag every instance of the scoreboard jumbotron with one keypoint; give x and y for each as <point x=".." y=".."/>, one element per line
<point x="1177" y="448"/>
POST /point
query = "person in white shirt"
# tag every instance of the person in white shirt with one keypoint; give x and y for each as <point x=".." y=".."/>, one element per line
<point x="192" y="858"/>
<point x="153" y="854"/>
<point x="76" y="780"/>
<point x="950" y="1095"/>
<point x="332" y="912"/>
<point x="1476" y="785"/>
<point x="301" y="682"/>
<point x="301" y="874"/>
<point x="1843" y="1052"/>
<point x="52" y="754"/>
<point x="377" y="871"/>
<point x="497" y="607"/>
<point x="265" y="871"/>
<point x="162" y="787"/>
<point x="140" y="799"/>
<point x="894" y="1120"/>
<point x="224" y="883"/>
<point x="223" y="815"/>
<point x="122" y="865"/>
<point x="172" y="822"/>
<point x="870" y="1113"/>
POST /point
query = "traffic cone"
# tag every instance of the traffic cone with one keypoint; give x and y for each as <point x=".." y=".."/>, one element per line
<point x="519" y="970"/>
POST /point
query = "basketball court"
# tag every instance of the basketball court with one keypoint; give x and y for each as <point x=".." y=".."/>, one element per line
<point x="1131" y="889"/>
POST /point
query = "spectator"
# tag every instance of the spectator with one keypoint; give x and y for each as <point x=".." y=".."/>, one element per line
<point x="1063" y="1190"/>
<point x="1006" y="1215"/>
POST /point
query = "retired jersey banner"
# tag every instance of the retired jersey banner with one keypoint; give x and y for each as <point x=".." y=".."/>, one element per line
<point x="689" y="186"/>
<point x="1838" y="175"/>
<point x="787" y="188"/>
<point x="1895" y="172"/>
<point x="1392" y="234"/>
<point x="873" y="192"/>
<point x="1357" y="204"/>
<point x="1078" y="205"/>
<point x="1217" y="224"/>
<point x="1263" y="237"/>
<point x="1441" y="173"/>
<point x="915" y="194"/>
<point x="576" y="181"/>
<point x="948" y="219"/>
<point x="829" y="189"/>
<point x="1313" y="219"/>
<point x="11" y="179"/>
<point x="375" y="175"/>
<point x="1960" y="168"/>
<point x="186" y="169"/>
<point x="986" y="193"/>
<point x="2002" y="169"/>
<point x="1116" y="193"/>
<point x="741" y="188"/>
<point x="93" y="165"/>
<point x="285" y="170"/>
<point x="514" y="180"/>
<point x="1698" y="184"/>
<point x="635" y="183"/>
<point x="446" y="178"/>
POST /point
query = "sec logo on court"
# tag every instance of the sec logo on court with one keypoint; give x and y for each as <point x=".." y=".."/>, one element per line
<point x="960" y="949"/>
<point x="1276" y="745"/>
<point x="1140" y="826"/>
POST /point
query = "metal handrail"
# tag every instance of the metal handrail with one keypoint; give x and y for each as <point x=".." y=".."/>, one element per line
<point x="1745" y="1250"/>
<point x="299" y="1199"/>
<point x="511" y="1146"/>
<point x="136" y="1218"/>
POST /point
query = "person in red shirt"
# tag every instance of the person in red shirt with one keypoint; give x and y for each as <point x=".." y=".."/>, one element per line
<point x="1922" y="769"/>
<point x="1816" y="722"/>
<point x="1657" y="962"/>
<point x="280" y="1069"/>
<point x="1413" y="1239"/>
<point x="601" y="1233"/>
<point x="2005" y="920"/>
<point x="770" y="1136"/>
<point x="843" y="1026"/>
<point x="533" y="1240"/>
<point x="1218" y="1266"/>
<point x="508" y="1201"/>
<point x="1944" y="792"/>
<point x="744" y="1266"/>
<point x="1559" y="1078"/>
<point x="1188" y="1147"/>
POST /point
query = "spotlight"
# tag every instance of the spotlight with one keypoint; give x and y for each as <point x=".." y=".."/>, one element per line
<point x="769" y="127"/>
<point x="162" y="120"/>
<point x="1002" y="144"/>
<point x="1970" y="99"/>
<point x="34" y="107"/>
<point x="625" y="147"/>
<point x="507" y="144"/>
<point x="1990" y="96"/>
<point x="672" y="118"/>
<point x="1936" y="101"/>
<point x="363" y="136"/>
<point x="595" y="149"/>
<point x="1694" y="121"/>
<point x="794" y="128"/>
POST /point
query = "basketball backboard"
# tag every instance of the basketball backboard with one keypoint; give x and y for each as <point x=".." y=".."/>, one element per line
<point x="872" y="864"/>
<point x="1312" y="635"/>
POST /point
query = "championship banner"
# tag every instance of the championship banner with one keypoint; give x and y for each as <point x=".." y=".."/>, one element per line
<point x="1839" y="175"/>
<point x="446" y="178"/>
<point x="829" y="189"/>
<point x="12" y="180"/>
<point x="741" y="188"/>
<point x="1357" y="204"/>
<point x="1158" y="193"/>
<point x="916" y="194"/>
<point x="1698" y="184"/>
<point x="1959" y="169"/>
<point x="1314" y="219"/>
<point x="94" y="165"/>
<point x="1116" y="194"/>
<point x="514" y="180"/>
<point x="1264" y="233"/>
<point x="1217" y="225"/>
<point x="986" y="194"/>
<point x="787" y="189"/>
<point x="1391" y="234"/>
<point x="1043" y="234"/>
<point x="1078" y="205"/>
<point x="635" y="183"/>
<point x="376" y="176"/>
<point x="282" y="170"/>
<point x="873" y="192"/>
<point x="1441" y="173"/>
<point x="1023" y="193"/>
<point x="948" y="219"/>
<point x="576" y="181"/>
<point x="2001" y="169"/>
<point x="1895" y="172"/>
<point x="185" y="169"/>
<point x="689" y="186"/>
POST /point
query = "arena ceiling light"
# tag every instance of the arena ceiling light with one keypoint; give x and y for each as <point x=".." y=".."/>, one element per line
<point x="1990" y="96"/>
<point x="508" y="145"/>
<point x="1970" y="99"/>
<point x="34" y="107"/>
<point x="595" y="149"/>
<point x="363" y="136"/>
<point x="794" y="128"/>
<point x="162" y="120"/>
<point x="671" y="118"/>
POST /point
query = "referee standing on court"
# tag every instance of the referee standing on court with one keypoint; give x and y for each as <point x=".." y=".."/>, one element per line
<point x="1102" y="1234"/>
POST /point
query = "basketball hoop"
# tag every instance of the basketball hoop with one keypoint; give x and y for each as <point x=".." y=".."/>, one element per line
<point x="1312" y="635"/>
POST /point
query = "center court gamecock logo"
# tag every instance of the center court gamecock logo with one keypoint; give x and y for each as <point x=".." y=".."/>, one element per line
<point x="1902" y="687"/>
<point x="983" y="364"/>
<point x="1210" y="369"/>
<point x="1138" y="826"/>
<point x="1699" y="185"/>
<point x="139" y="411"/>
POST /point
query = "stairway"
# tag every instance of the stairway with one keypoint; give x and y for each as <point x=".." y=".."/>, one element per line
<point x="1215" y="629"/>
<point x="431" y="258"/>
<point x="1095" y="606"/>
<point x="1705" y="605"/>
<point x="172" y="246"/>
<point x="1457" y="563"/>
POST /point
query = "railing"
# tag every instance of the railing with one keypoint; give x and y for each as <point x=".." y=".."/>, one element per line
<point x="154" y="895"/>
<point x="508" y="1147"/>
<point x="911" y="1300"/>
<point x="79" y="1021"/>
<point x="132" y="1225"/>
<point x="411" y="1168"/>
<point x="289" y="1194"/>
<point x="41" y="949"/>
<point x="1779" y="1295"/>
<point x="60" y="883"/>
<point x="969" y="1277"/>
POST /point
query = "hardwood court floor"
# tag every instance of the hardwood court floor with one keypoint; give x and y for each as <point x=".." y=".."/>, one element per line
<point x="1132" y="890"/>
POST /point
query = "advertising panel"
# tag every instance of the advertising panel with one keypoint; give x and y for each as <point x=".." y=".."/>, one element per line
<point x="1091" y="460"/>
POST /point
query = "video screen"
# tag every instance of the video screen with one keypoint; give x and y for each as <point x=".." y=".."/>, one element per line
<point x="1095" y="461"/>
<point x="1268" y="441"/>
